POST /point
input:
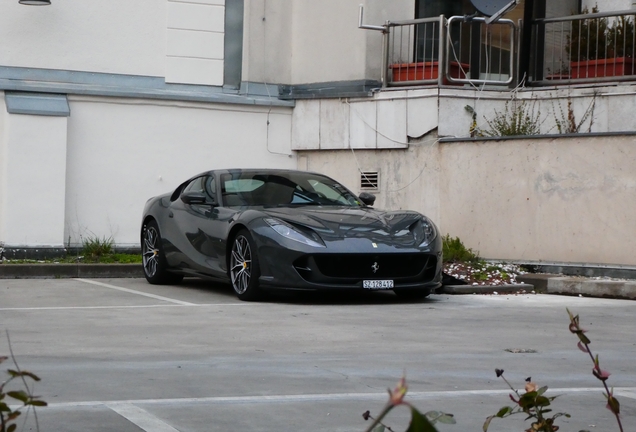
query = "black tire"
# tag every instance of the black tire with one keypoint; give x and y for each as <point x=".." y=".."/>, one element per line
<point x="154" y="260"/>
<point x="244" y="267"/>
<point x="412" y="294"/>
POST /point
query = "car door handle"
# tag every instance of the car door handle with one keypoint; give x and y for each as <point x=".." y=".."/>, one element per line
<point x="170" y="214"/>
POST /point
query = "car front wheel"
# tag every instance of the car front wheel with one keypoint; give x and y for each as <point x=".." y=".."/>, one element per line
<point x="244" y="267"/>
<point x="154" y="260"/>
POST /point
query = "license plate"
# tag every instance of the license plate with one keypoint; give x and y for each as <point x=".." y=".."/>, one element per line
<point x="377" y="284"/>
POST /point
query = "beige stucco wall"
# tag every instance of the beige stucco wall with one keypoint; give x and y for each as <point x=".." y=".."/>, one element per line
<point x="554" y="200"/>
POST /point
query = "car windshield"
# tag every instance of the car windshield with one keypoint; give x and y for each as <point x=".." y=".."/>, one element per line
<point x="252" y="188"/>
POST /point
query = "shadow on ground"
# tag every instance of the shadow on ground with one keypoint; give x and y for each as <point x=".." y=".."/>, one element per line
<point x="303" y="297"/>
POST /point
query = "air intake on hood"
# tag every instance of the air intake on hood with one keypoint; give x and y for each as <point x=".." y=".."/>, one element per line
<point x="369" y="180"/>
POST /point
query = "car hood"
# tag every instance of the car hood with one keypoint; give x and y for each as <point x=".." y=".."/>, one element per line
<point x="336" y="223"/>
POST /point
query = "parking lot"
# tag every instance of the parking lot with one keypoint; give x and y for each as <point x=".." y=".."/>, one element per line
<point x="122" y="355"/>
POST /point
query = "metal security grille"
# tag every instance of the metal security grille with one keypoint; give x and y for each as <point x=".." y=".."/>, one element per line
<point x="369" y="180"/>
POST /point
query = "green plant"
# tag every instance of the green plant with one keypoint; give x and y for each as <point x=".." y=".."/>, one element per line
<point x="519" y="118"/>
<point x="568" y="124"/>
<point x="9" y="415"/>
<point x="95" y="247"/>
<point x="533" y="403"/>
<point x="453" y="250"/>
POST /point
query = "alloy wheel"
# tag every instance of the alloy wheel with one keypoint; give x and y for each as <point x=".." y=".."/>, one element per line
<point x="241" y="264"/>
<point x="150" y="252"/>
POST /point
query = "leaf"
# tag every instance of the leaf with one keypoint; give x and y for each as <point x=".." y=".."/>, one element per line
<point x="542" y="390"/>
<point x="19" y="395"/>
<point x="14" y="415"/>
<point x="38" y="403"/>
<point x="419" y="423"/>
<point x="378" y="428"/>
<point x="31" y="375"/>
<point x="487" y="423"/>
<point x="613" y="405"/>
<point x="504" y="411"/>
<point x="583" y="338"/>
<point x="12" y="427"/>
<point x="447" y="418"/>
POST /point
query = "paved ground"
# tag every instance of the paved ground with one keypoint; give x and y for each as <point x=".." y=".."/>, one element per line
<point x="121" y="355"/>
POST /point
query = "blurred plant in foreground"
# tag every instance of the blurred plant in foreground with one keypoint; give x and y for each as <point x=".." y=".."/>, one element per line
<point x="533" y="403"/>
<point x="9" y="415"/>
<point x="419" y="422"/>
<point x="602" y="375"/>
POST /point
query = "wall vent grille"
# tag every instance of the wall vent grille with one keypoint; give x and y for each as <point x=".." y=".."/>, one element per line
<point x="369" y="180"/>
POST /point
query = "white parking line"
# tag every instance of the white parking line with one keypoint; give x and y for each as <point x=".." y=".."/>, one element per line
<point x="141" y="418"/>
<point x="623" y="391"/>
<point x="179" y="302"/>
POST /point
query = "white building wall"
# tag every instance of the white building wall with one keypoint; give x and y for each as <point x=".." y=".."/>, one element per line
<point x="308" y="41"/>
<point x="195" y="38"/>
<point x="33" y="180"/>
<point x="115" y="36"/>
<point x="3" y="163"/>
<point x="122" y="152"/>
<point x="267" y="41"/>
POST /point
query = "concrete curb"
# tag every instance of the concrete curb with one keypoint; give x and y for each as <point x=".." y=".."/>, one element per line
<point x="487" y="289"/>
<point x="592" y="287"/>
<point x="59" y="271"/>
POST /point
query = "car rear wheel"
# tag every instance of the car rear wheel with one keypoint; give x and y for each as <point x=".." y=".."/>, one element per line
<point x="412" y="294"/>
<point x="154" y="260"/>
<point x="244" y="267"/>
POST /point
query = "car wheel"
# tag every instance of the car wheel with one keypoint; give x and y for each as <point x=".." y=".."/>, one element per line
<point x="244" y="267"/>
<point x="412" y="295"/>
<point x="154" y="260"/>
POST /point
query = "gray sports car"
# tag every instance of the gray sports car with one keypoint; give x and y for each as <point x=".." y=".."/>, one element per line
<point x="268" y="228"/>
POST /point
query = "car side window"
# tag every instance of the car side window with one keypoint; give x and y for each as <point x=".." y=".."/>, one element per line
<point x="195" y="185"/>
<point x="205" y="185"/>
<point x="210" y="188"/>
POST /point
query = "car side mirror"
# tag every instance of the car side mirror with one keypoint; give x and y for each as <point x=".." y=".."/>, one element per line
<point x="194" y="198"/>
<point x="367" y="198"/>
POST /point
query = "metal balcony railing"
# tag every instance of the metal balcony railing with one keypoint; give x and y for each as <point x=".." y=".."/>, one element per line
<point x="592" y="47"/>
<point x="453" y="51"/>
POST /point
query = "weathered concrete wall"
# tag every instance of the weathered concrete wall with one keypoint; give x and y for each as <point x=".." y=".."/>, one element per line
<point x="560" y="200"/>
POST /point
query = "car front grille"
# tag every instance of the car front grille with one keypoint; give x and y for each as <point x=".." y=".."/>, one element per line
<point x="356" y="267"/>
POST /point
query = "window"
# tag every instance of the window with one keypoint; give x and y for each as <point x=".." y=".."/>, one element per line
<point x="205" y="185"/>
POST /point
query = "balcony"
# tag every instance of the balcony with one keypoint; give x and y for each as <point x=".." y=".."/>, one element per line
<point x="591" y="47"/>
<point x="596" y="47"/>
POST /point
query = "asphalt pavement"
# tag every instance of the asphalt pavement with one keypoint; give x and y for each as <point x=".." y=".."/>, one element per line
<point x="123" y="355"/>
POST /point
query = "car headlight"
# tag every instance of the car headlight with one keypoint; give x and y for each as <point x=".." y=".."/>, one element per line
<point x="289" y="231"/>
<point x="425" y="231"/>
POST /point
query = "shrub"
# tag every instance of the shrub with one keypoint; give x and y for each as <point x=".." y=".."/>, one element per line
<point x="453" y="250"/>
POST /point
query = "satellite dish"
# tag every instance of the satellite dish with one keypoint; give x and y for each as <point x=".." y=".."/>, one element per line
<point x="494" y="8"/>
